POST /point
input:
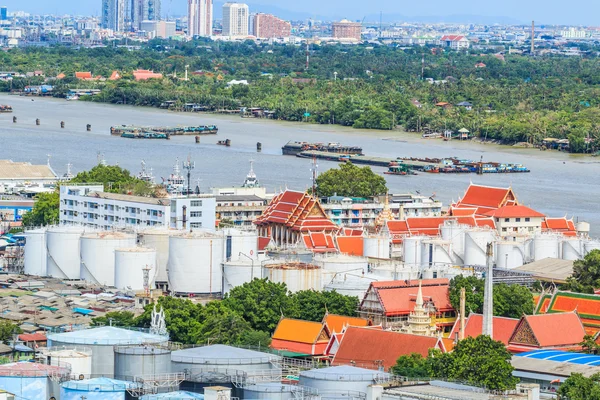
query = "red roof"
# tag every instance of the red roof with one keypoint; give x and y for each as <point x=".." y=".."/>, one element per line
<point x="365" y="347"/>
<point x="336" y="323"/>
<point x="514" y="211"/>
<point x="452" y="38"/>
<point x="300" y="336"/>
<point x="319" y="242"/>
<point x="143" y="74"/>
<point x="562" y="225"/>
<point x="33" y="337"/>
<point x="114" y="76"/>
<point x="263" y="242"/>
<point x="83" y="75"/>
<point x="563" y="330"/>
<point x="351" y="245"/>
<point x="409" y="283"/>
<point x="486" y="198"/>
<point x="503" y="327"/>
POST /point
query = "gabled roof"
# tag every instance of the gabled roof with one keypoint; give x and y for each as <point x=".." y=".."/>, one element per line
<point x="503" y="328"/>
<point x="514" y="211"/>
<point x="143" y="74"/>
<point x="33" y="337"/>
<point x="563" y="330"/>
<point x="452" y="38"/>
<point x="300" y="331"/>
<point x="365" y="347"/>
<point x="486" y="198"/>
<point x="83" y="75"/>
<point x="586" y="305"/>
<point x="562" y="225"/>
<point x="336" y="323"/>
<point x="319" y="242"/>
<point x="114" y="76"/>
<point x="351" y="245"/>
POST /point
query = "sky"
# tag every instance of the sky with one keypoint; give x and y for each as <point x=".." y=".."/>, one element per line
<point x="542" y="11"/>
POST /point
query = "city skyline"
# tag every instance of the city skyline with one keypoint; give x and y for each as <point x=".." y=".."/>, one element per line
<point x="514" y="11"/>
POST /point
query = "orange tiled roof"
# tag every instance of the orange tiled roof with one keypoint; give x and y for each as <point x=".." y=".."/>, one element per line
<point x="514" y="211"/>
<point x="562" y="225"/>
<point x="114" y="76"/>
<point x="503" y="327"/>
<point x="336" y="323"/>
<point x="83" y="75"/>
<point x="144" y="74"/>
<point x="553" y="330"/>
<point x="295" y="330"/>
<point x="319" y="242"/>
<point x="486" y="198"/>
<point x="351" y="245"/>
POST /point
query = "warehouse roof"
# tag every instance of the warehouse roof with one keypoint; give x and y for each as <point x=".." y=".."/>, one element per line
<point x="563" y="356"/>
<point x="106" y="335"/>
<point x="550" y="367"/>
<point x="221" y="354"/>
<point x="24" y="171"/>
<point x="549" y="269"/>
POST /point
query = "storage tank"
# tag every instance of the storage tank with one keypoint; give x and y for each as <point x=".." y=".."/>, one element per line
<point x="545" y="245"/>
<point x="341" y="263"/>
<point x="509" y="255"/>
<point x="178" y="395"/>
<point x="158" y="239"/>
<point x="236" y="273"/>
<point x="590" y="245"/>
<point x="340" y="379"/>
<point x="135" y="361"/>
<point x="269" y="391"/>
<point x="98" y="255"/>
<point x="95" y="389"/>
<point x="240" y="244"/>
<point x="377" y="247"/>
<point x="63" y="260"/>
<point x="102" y="340"/>
<point x="36" y="253"/>
<point x="79" y="358"/>
<point x="454" y="232"/>
<point x="476" y="241"/>
<point x="305" y="256"/>
<point x="435" y="252"/>
<point x="27" y="380"/>
<point x="572" y="249"/>
<point x="130" y="266"/>
<point x="195" y="263"/>
<point x="411" y="249"/>
<point x="222" y="356"/>
<point x="583" y="228"/>
<point x="296" y="275"/>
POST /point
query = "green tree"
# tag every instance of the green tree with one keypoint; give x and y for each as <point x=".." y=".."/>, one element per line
<point x="115" y="179"/>
<point x="7" y="330"/>
<point x="412" y="366"/>
<point x="222" y="325"/>
<point x="589" y="345"/>
<point x="578" y="387"/>
<point x="182" y="317"/>
<point x="115" y="318"/>
<point x="350" y="181"/>
<point x="45" y="210"/>
<point x="473" y="293"/>
<point x="586" y="273"/>
<point x="311" y="305"/>
<point x="255" y="339"/>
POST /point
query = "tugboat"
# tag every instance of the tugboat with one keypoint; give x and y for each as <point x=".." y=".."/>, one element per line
<point x="176" y="182"/>
<point x="398" y="169"/>
<point x="146" y="176"/>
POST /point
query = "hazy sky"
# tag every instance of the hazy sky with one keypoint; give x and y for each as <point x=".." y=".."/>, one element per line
<point x="583" y="12"/>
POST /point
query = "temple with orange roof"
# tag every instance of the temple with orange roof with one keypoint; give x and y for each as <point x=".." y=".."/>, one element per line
<point x="561" y="331"/>
<point x="503" y="327"/>
<point x="586" y="305"/>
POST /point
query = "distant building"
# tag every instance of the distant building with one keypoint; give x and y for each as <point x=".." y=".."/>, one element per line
<point x="455" y="42"/>
<point x="573" y="33"/>
<point x="235" y="19"/>
<point x="144" y="74"/>
<point x="347" y="30"/>
<point x="113" y="15"/>
<point x="159" y="29"/>
<point x="25" y="177"/>
<point x="267" y="26"/>
<point x="3" y="13"/>
<point x="517" y="219"/>
<point x="144" y="10"/>
<point x="12" y="208"/>
<point x="200" y="17"/>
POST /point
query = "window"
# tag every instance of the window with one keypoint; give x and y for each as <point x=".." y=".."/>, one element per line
<point x="517" y="219"/>
<point x="506" y="219"/>
<point x="196" y="214"/>
<point x="196" y="225"/>
<point x="503" y="229"/>
<point x="527" y="219"/>
<point x="196" y="203"/>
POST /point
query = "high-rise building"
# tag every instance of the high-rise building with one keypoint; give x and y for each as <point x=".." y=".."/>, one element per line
<point x="200" y="17"/>
<point x="347" y="30"/>
<point x="113" y="15"/>
<point x="3" y="13"/>
<point x="267" y="26"/>
<point x="144" y="10"/>
<point x="235" y="19"/>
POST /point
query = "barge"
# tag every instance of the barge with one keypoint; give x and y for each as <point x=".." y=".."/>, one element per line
<point x="145" y="135"/>
<point x="294" y="148"/>
<point x="5" y="108"/>
<point x="177" y="130"/>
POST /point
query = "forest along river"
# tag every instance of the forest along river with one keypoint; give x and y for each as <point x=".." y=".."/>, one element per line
<point x="559" y="184"/>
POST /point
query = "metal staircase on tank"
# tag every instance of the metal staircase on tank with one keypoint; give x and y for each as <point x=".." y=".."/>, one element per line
<point x="151" y="384"/>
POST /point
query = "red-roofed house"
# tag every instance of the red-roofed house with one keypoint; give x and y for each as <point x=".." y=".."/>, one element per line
<point x="115" y="76"/>
<point x="144" y="74"/>
<point x="516" y="219"/>
<point x="33" y="340"/>
<point x="480" y="65"/>
<point x="84" y="75"/>
<point x="485" y="199"/>
<point x="390" y="303"/>
<point x="562" y="331"/>
<point x="560" y="225"/>
<point x="303" y="337"/>
<point x="503" y="327"/>
<point x="455" y="42"/>
<point x="374" y="348"/>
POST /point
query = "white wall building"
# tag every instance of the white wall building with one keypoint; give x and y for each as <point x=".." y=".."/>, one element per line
<point x="23" y="176"/>
<point x="200" y="17"/>
<point x="235" y="19"/>
<point x="573" y="33"/>
<point x="517" y="220"/>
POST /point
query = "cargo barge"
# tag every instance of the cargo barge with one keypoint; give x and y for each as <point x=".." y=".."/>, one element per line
<point x="5" y="109"/>
<point x="145" y="135"/>
<point x="294" y="148"/>
<point x="171" y="131"/>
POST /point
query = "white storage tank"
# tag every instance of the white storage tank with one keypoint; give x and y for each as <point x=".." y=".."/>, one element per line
<point x="36" y="253"/>
<point x="377" y="246"/>
<point x="130" y="266"/>
<point x="476" y="241"/>
<point x="269" y="391"/>
<point x="455" y="233"/>
<point x="136" y="361"/>
<point x="509" y="255"/>
<point x="98" y="255"/>
<point x="158" y="239"/>
<point x="63" y="252"/>
<point x="545" y="245"/>
<point x="340" y="379"/>
<point x="220" y="356"/>
<point x="195" y="263"/>
<point x="435" y="252"/>
<point x="341" y="263"/>
<point x="79" y="358"/>
<point x="572" y="249"/>
<point x="296" y="275"/>
<point x="236" y="273"/>
<point x="240" y="244"/>
<point x="590" y="245"/>
<point x="411" y="250"/>
<point x="583" y="228"/>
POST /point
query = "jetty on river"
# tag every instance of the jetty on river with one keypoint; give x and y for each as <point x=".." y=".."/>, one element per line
<point x="161" y="132"/>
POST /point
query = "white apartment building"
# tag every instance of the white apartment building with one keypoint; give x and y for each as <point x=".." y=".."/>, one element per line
<point x="235" y="19"/>
<point x="88" y="205"/>
<point x="573" y="33"/>
<point x="517" y="220"/>
<point x="200" y="17"/>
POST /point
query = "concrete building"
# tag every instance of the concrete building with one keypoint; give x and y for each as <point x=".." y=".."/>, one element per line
<point x="240" y="210"/>
<point x="144" y="10"/>
<point x="159" y="29"/>
<point x="573" y="33"/>
<point x="3" y="13"/>
<point x="200" y="17"/>
<point x="516" y="219"/>
<point x="455" y="42"/>
<point x="235" y="19"/>
<point x="12" y="208"/>
<point x="346" y="30"/>
<point x="267" y="26"/>
<point x="113" y="15"/>
<point x="23" y="176"/>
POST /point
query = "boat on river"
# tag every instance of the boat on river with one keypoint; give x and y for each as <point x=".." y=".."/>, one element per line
<point x="396" y="168"/>
<point x="169" y="130"/>
<point x="5" y="108"/>
<point x="293" y="148"/>
<point x="145" y="135"/>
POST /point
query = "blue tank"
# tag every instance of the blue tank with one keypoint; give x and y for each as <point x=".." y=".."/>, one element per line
<point x="94" y="389"/>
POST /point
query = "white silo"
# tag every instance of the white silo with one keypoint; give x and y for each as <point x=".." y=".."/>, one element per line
<point x="411" y="249"/>
<point x="545" y="245"/>
<point x="572" y="249"/>
<point x="98" y="255"/>
<point x="236" y="273"/>
<point x="158" y="239"/>
<point x="435" y="252"/>
<point x="36" y="253"/>
<point x="377" y="246"/>
<point x="131" y="264"/>
<point x="296" y="275"/>
<point x="195" y="263"/>
<point x="341" y="379"/>
<point x="590" y="245"/>
<point x="509" y="255"/>
<point x="455" y="233"/>
<point x="240" y="244"/>
<point x="63" y="252"/>
<point x="476" y="241"/>
<point x="583" y="228"/>
<point x="79" y="358"/>
<point x="334" y="264"/>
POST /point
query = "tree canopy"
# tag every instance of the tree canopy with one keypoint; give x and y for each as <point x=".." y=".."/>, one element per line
<point x="45" y="210"/>
<point x="350" y="180"/>
<point x="586" y="273"/>
<point x="115" y="179"/>
<point x="578" y="387"/>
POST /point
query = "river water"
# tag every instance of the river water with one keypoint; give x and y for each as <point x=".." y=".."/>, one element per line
<point x="559" y="184"/>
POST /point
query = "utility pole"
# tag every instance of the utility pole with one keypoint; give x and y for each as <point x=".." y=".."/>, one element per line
<point x="488" y="300"/>
<point x="461" y="335"/>
<point x="532" y="37"/>
<point x="189" y="166"/>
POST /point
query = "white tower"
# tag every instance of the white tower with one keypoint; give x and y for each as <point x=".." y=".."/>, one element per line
<point x="200" y="17"/>
<point x="488" y="300"/>
<point x="235" y="19"/>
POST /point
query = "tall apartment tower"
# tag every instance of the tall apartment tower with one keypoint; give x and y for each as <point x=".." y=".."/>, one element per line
<point x="235" y="19"/>
<point x="200" y="17"/>
<point x="144" y="10"/>
<point x="113" y="15"/>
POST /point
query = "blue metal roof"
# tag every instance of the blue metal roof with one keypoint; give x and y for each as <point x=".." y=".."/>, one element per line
<point x="563" y="356"/>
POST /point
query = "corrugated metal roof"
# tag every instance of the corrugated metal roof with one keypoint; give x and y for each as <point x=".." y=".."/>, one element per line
<point x="25" y="171"/>
<point x="343" y="372"/>
<point x="106" y="335"/>
<point x="221" y="354"/>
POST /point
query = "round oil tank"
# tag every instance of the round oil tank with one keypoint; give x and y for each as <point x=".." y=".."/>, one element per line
<point x="95" y="389"/>
<point x="509" y="255"/>
<point x="236" y="273"/>
<point x="36" y="253"/>
<point x="28" y="380"/>
<point x="340" y="379"/>
<point x="334" y="263"/>
<point x="102" y="341"/>
<point x="269" y="391"/>
<point x="178" y="395"/>
<point x="411" y="249"/>
<point x="158" y="239"/>
<point x="455" y="233"/>
<point x="63" y="260"/>
<point x="131" y="265"/>
<point x="79" y="358"/>
<point x="545" y="245"/>
<point x="590" y="245"/>
<point x="377" y="247"/>
<point x="572" y="249"/>
<point x="305" y="256"/>
<point x="195" y="263"/>
<point x="297" y="276"/>
<point x="98" y="255"/>
<point x="221" y="356"/>
<point x="583" y="227"/>
<point x="435" y="252"/>
<point x="136" y="361"/>
<point x="240" y="244"/>
<point x="476" y="241"/>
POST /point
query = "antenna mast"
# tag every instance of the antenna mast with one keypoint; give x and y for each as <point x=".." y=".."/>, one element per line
<point x="307" y="53"/>
<point x="189" y="166"/>
<point x="532" y="37"/>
